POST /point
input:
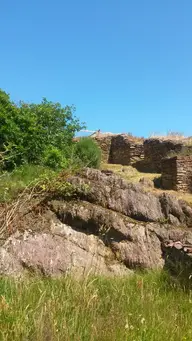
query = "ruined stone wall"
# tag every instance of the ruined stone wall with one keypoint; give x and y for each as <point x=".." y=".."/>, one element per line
<point x="177" y="173"/>
<point x="136" y="151"/>
<point x="120" y="149"/>
<point x="156" y="149"/>
<point x="104" y="142"/>
<point x="169" y="173"/>
<point x="125" y="150"/>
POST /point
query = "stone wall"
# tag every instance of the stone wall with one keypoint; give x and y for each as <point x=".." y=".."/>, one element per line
<point x="177" y="173"/>
<point x="126" y="150"/>
<point x="156" y="149"/>
<point x="120" y="148"/>
<point x="104" y="142"/>
<point x="144" y="155"/>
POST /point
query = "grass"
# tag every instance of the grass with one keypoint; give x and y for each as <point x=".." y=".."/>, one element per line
<point x="129" y="173"/>
<point x="132" y="175"/>
<point x="21" y="177"/>
<point x="13" y="182"/>
<point x="138" y="308"/>
<point x="174" y="136"/>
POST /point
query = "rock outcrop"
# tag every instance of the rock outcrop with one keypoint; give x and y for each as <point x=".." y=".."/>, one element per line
<point x="132" y="200"/>
<point x="61" y="251"/>
<point x="111" y="229"/>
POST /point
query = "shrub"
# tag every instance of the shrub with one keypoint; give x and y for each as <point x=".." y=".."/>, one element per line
<point x="28" y="130"/>
<point x="88" y="152"/>
<point x="54" y="158"/>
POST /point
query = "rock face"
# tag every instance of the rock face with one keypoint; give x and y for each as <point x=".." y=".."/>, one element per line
<point x="111" y="229"/>
<point x="132" y="200"/>
<point x="58" y="252"/>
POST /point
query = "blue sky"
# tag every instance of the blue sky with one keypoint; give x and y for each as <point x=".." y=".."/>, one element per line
<point x="126" y="64"/>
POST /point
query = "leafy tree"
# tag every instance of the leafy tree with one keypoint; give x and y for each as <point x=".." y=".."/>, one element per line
<point x="29" y="130"/>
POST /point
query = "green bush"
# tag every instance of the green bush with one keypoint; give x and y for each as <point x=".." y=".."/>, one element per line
<point x="54" y="158"/>
<point x="88" y="152"/>
<point x="27" y="131"/>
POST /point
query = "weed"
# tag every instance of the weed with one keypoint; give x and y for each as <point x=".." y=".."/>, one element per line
<point x="147" y="307"/>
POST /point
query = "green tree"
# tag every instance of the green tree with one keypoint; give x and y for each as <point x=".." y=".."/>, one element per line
<point x="29" y="130"/>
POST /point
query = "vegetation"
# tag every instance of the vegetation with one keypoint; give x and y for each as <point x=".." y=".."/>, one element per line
<point x="37" y="141"/>
<point x="11" y="183"/>
<point x="175" y="136"/>
<point x="141" y="307"/>
<point x="129" y="173"/>
<point x="88" y="152"/>
<point x="35" y="133"/>
<point x="42" y="134"/>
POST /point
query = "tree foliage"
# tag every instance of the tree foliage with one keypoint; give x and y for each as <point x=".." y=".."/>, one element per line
<point x="36" y="133"/>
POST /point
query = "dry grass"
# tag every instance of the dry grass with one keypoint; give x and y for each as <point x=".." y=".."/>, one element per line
<point x="130" y="136"/>
<point x="174" y="136"/>
<point x="131" y="174"/>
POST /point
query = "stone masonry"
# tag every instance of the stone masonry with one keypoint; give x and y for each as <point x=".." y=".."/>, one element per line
<point x="177" y="173"/>
<point x="156" y="149"/>
<point x="104" y="142"/>
<point x="120" y="148"/>
<point x="126" y="150"/>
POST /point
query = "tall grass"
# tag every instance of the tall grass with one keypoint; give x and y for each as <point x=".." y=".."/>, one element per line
<point x="13" y="182"/>
<point x="141" y="308"/>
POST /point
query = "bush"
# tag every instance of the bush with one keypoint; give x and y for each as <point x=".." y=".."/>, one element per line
<point x="88" y="153"/>
<point x="27" y="131"/>
<point x="54" y="158"/>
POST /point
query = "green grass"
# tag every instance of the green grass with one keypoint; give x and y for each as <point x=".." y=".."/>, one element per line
<point x="139" y="308"/>
<point x="13" y="182"/>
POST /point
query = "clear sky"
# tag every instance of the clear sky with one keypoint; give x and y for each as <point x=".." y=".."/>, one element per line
<point x="125" y="64"/>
